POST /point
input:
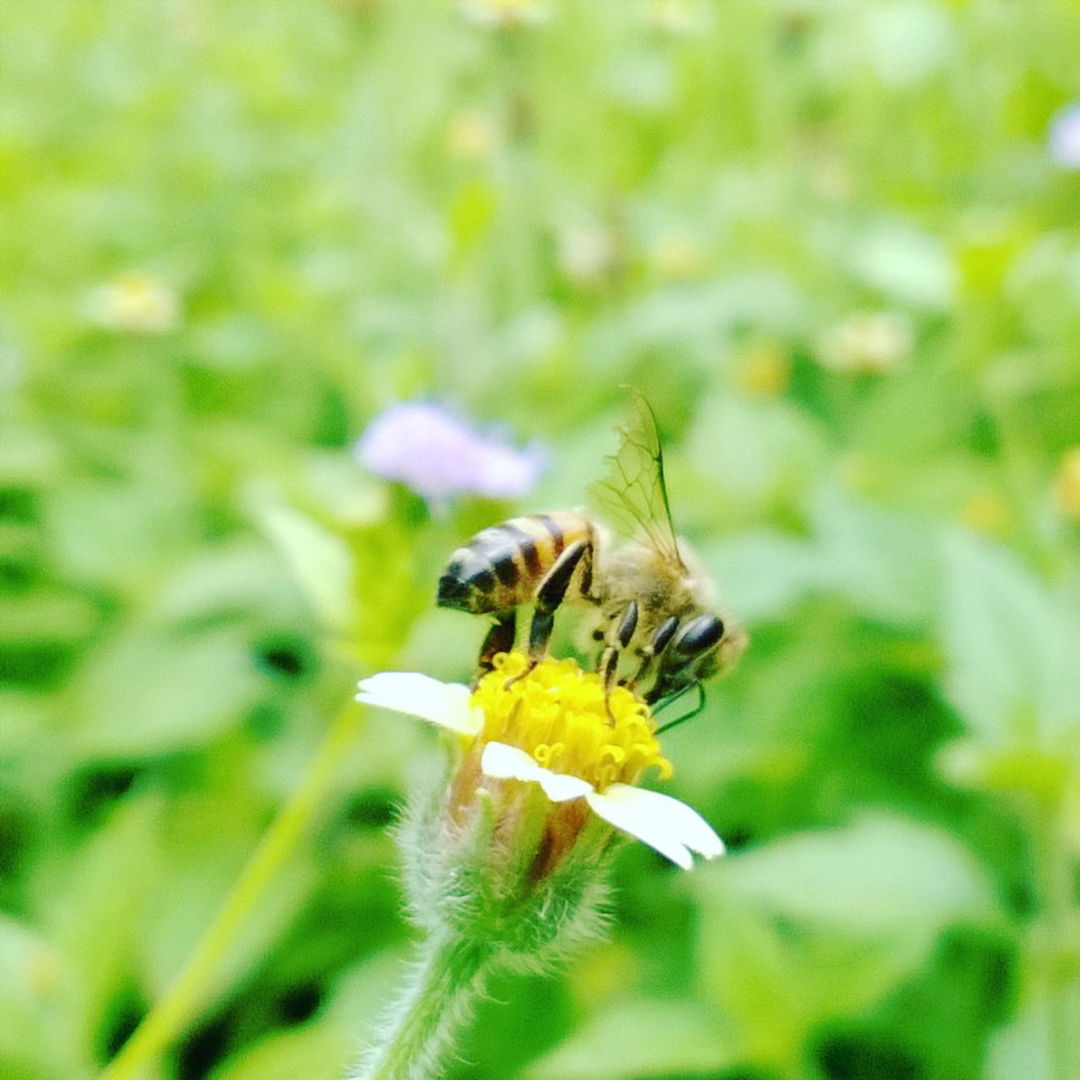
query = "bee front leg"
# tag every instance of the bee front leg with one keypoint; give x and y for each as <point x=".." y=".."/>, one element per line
<point x="609" y="659"/>
<point x="608" y="668"/>
<point x="500" y="638"/>
<point x="653" y="650"/>
<point x="549" y="596"/>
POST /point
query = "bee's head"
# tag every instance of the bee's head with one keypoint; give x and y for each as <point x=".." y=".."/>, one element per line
<point x="702" y="646"/>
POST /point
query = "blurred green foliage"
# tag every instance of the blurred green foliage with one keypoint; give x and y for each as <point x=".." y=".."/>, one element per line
<point x="829" y="244"/>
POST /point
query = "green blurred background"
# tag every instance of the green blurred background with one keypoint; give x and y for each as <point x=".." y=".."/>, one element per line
<point x="833" y="245"/>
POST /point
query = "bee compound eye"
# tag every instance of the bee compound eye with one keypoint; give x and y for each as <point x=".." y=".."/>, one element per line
<point x="699" y="635"/>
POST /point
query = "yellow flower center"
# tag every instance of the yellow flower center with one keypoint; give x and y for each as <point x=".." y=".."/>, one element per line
<point x="560" y="715"/>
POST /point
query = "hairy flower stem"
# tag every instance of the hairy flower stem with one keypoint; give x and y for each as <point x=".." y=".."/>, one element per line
<point x="435" y="1003"/>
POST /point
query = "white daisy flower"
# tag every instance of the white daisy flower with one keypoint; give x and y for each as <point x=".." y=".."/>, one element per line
<point x="555" y="727"/>
<point x="505" y="14"/>
<point x="867" y="343"/>
<point x="134" y="303"/>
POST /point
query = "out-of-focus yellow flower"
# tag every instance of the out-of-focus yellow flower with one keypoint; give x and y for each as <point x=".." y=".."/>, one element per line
<point x="830" y="175"/>
<point x="866" y="343"/>
<point x="765" y="369"/>
<point x="1067" y="483"/>
<point x="135" y="303"/>
<point x="857" y="471"/>
<point x="505" y="14"/>
<point x="471" y="135"/>
<point x="604" y="973"/>
<point x="679" y="256"/>
<point x="986" y="512"/>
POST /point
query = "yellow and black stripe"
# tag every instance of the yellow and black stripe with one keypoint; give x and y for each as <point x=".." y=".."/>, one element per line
<point x="501" y="567"/>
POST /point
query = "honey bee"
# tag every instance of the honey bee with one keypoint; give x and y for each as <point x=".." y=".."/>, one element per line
<point x="649" y="600"/>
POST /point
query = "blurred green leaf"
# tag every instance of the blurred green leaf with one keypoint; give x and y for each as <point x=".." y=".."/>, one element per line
<point x="886" y="562"/>
<point x="39" y="999"/>
<point x="1028" y="1047"/>
<point x="762" y="575"/>
<point x="639" y="1037"/>
<point x="235" y="581"/>
<point x="316" y="1051"/>
<point x="753" y="451"/>
<point x="907" y="265"/>
<point x="1011" y="649"/>
<point x="318" y="559"/>
<point x="195" y="885"/>
<point x="818" y="925"/>
<point x="97" y="909"/>
<point x="152" y="690"/>
<point x="46" y="615"/>
<point x="875" y="878"/>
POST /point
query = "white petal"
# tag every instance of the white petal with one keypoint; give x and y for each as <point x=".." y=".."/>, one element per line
<point x="664" y="823"/>
<point x="511" y="763"/>
<point x="561" y="787"/>
<point x="445" y="704"/>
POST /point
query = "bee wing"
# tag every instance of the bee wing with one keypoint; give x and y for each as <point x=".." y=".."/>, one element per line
<point x="634" y="493"/>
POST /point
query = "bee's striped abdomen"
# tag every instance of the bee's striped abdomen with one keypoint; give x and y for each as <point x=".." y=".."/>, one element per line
<point x="500" y="567"/>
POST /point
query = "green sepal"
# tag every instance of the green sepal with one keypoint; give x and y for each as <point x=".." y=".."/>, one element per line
<point x="478" y="878"/>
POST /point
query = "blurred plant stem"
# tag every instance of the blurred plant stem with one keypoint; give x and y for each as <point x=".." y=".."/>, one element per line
<point x="444" y="984"/>
<point x="194" y="986"/>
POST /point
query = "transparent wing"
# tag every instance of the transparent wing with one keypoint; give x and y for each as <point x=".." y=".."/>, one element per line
<point x="634" y="493"/>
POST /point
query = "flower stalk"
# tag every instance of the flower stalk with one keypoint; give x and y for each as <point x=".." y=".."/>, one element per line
<point x="436" y="1001"/>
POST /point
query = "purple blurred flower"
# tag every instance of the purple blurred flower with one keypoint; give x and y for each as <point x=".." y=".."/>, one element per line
<point x="430" y="450"/>
<point x="1064" y="138"/>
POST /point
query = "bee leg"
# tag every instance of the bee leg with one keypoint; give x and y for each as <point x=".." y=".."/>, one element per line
<point x="500" y="638"/>
<point x="651" y="652"/>
<point x="586" y="563"/>
<point x="549" y="596"/>
<point x="686" y="716"/>
<point x="609" y="660"/>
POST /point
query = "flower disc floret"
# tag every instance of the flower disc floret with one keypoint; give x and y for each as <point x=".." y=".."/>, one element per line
<point x="562" y="717"/>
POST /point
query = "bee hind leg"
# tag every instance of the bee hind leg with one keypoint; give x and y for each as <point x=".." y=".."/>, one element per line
<point x="549" y="596"/>
<point x="500" y="638"/>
